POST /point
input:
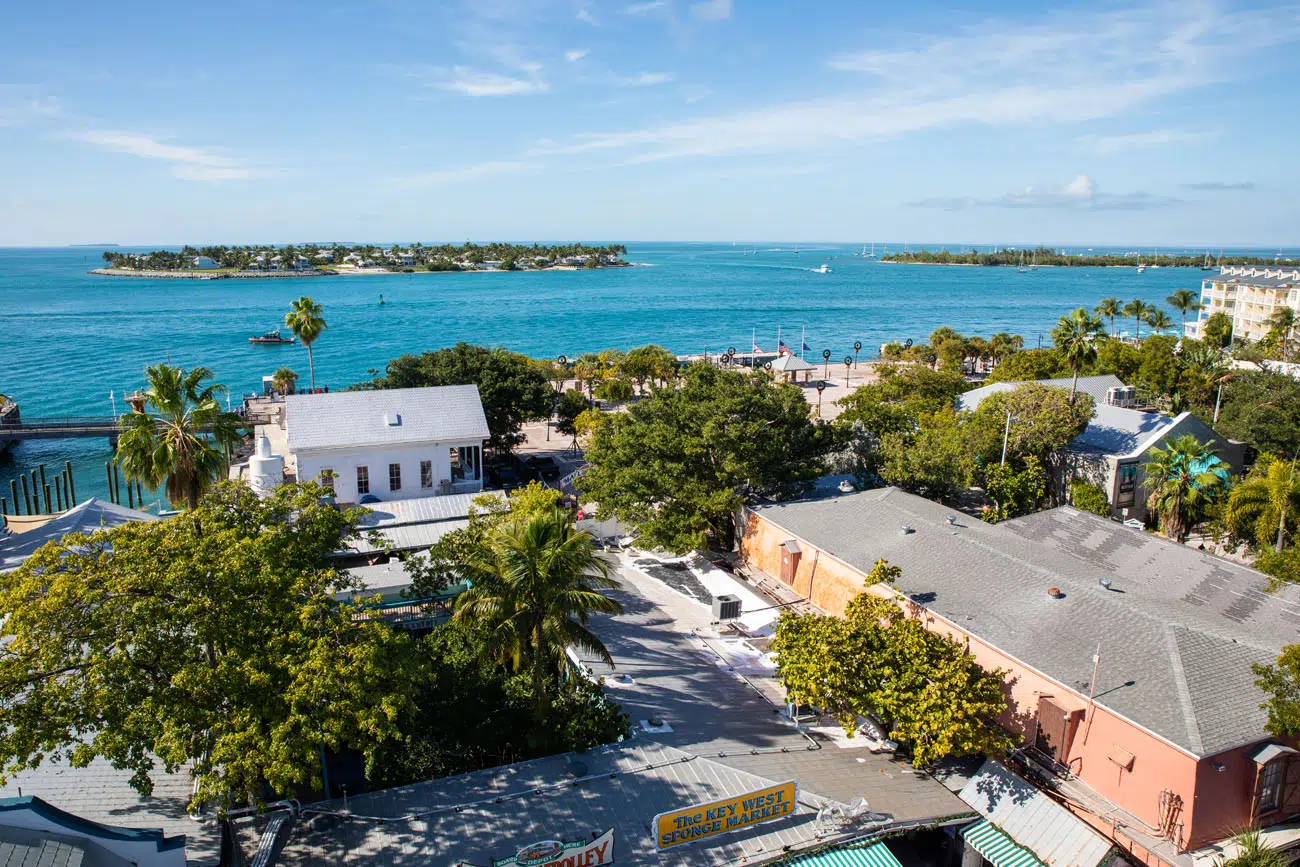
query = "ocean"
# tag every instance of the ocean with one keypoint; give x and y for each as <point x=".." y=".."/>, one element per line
<point x="72" y="339"/>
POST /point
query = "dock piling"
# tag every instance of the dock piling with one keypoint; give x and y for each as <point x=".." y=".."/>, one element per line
<point x="108" y="476"/>
<point x="13" y="495"/>
<point x="27" y="499"/>
<point x="72" y="486"/>
<point x="49" y="503"/>
<point x="41" y="468"/>
<point x="36" y="493"/>
<point x="58" y="495"/>
<point x="117" y="486"/>
<point x="4" y="506"/>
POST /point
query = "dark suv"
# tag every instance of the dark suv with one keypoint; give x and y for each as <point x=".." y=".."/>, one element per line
<point x="504" y="477"/>
<point x="544" y="468"/>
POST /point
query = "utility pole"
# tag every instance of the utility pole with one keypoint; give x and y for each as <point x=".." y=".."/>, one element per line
<point x="1006" y="435"/>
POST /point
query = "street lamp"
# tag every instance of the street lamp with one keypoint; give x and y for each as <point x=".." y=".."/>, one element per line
<point x="562" y="361"/>
<point x="857" y="345"/>
<point x="821" y="386"/>
<point x="848" y="365"/>
<point x="826" y="359"/>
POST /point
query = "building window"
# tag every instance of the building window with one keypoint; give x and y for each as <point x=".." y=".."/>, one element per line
<point x="457" y="465"/>
<point x="327" y="478"/>
<point x="363" y="480"/>
<point x="394" y="477"/>
<point x="426" y="474"/>
<point x="1270" y="787"/>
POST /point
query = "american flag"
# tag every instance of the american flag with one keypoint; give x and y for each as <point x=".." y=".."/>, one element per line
<point x="781" y="348"/>
<point x="757" y="348"/>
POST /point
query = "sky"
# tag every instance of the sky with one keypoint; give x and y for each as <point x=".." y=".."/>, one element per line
<point x="983" y="122"/>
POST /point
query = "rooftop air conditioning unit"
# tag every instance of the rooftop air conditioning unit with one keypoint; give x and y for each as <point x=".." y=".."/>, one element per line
<point x="1122" y="396"/>
<point x="726" y="607"/>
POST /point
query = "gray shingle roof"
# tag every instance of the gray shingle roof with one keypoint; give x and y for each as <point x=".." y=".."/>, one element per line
<point x="1093" y="385"/>
<point x="1176" y="644"/>
<point x="1118" y="431"/>
<point x="459" y="819"/>
<point x="346" y="419"/>
<point x="86" y="517"/>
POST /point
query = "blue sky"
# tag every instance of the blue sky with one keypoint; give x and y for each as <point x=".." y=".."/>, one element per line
<point x="1011" y="122"/>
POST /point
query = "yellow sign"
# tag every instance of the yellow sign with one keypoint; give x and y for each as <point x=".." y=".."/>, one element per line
<point x="721" y="817"/>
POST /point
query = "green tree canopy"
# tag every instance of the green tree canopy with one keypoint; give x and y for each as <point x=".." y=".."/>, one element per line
<point x="512" y="388"/>
<point x="210" y="640"/>
<point x="1262" y="409"/>
<point x="1075" y="336"/>
<point x="649" y="363"/>
<point x="934" y="460"/>
<point x="1264" y="509"/>
<point x="1043" y="421"/>
<point x="677" y="464"/>
<point x="1030" y="364"/>
<point x="1183" y="484"/>
<point x="874" y="663"/>
<point x="306" y="319"/>
<point x="1217" y="329"/>
<point x="181" y="444"/>
<point x="570" y="405"/>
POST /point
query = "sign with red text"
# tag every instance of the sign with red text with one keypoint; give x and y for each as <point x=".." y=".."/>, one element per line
<point x="553" y="853"/>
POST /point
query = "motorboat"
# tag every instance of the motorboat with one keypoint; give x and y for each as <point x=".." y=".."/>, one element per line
<point x="271" y="337"/>
<point x="824" y="269"/>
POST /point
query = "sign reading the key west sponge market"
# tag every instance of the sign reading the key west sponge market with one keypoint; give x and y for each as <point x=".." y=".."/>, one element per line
<point x="553" y="853"/>
<point x="721" y="817"/>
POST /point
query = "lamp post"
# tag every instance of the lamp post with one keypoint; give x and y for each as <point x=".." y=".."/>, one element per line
<point x="562" y="361"/>
<point x="1006" y="435"/>
<point x="821" y="386"/>
<point x="848" y="366"/>
<point x="826" y="362"/>
<point x="857" y="345"/>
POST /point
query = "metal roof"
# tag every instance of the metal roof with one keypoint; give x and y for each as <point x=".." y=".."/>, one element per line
<point x="790" y="363"/>
<point x="1115" y="430"/>
<point x="86" y="517"/>
<point x="422" y="510"/>
<point x="405" y="537"/>
<point x="384" y="417"/>
<point x="1177" y="643"/>
<point x="1033" y="820"/>
<point x="1093" y="385"/>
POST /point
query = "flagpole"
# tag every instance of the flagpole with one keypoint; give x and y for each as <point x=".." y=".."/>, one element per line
<point x="778" y="341"/>
<point x="802" y="341"/>
<point x="753" y="345"/>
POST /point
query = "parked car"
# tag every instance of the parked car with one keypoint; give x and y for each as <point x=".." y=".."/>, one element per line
<point x="544" y="468"/>
<point x="504" y="477"/>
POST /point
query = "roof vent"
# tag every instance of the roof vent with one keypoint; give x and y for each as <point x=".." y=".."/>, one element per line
<point x="906" y="530"/>
<point x="952" y="520"/>
<point x="1055" y="593"/>
<point x="1105" y="582"/>
<point x="393" y="419"/>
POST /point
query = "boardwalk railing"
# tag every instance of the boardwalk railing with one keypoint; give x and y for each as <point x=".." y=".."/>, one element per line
<point x="67" y="427"/>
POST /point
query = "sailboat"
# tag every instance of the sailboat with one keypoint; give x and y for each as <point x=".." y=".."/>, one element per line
<point x="872" y="254"/>
<point x="1033" y="266"/>
<point x="1022" y="269"/>
<point x="1155" y="256"/>
<point x="1141" y="267"/>
<point x="1206" y="266"/>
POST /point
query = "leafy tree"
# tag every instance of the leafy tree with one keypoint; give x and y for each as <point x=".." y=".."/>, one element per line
<point x="1280" y="682"/>
<point x="1217" y="329"/>
<point x="1281" y="330"/>
<point x="649" y="363"/>
<point x="1014" y="493"/>
<point x="571" y="405"/>
<point x="1282" y="566"/>
<point x="1263" y="409"/>
<point x="679" y="463"/>
<point x="1138" y="310"/>
<point x="1044" y="421"/>
<point x="615" y="391"/>
<point x="894" y="403"/>
<point x="307" y="321"/>
<point x="1110" y="308"/>
<point x="1089" y="497"/>
<point x="540" y="583"/>
<point x="512" y="388"/>
<point x="1075" y="336"/>
<point x="875" y="663"/>
<point x="1029" y="364"/>
<point x="1184" y="480"/>
<point x="1003" y="344"/>
<point x="1158" y="320"/>
<point x="181" y="444"/>
<point x="934" y="461"/>
<point x="211" y="639"/>
<point x="1265" y="508"/>
<point x="284" y="380"/>
<point x="1184" y="301"/>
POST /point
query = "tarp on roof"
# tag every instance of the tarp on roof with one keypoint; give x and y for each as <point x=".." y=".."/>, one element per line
<point x="86" y="517"/>
<point x="998" y="848"/>
<point x="875" y="855"/>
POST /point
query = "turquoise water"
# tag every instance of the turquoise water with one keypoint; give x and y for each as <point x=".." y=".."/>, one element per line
<point x="72" y="338"/>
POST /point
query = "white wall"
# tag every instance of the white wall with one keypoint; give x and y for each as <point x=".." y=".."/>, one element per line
<point x="344" y="463"/>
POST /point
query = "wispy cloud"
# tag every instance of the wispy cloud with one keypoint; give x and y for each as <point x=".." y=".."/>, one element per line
<point x="463" y="174"/>
<point x="1220" y="186"/>
<point x="1064" y="67"/>
<point x="584" y="15"/>
<point x="646" y="79"/>
<point x="1081" y="193"/>
<point x="187" y="163"/>
<point x="474" y="82"/>
<point x="712" y="10"/>
<point x="1112" y="144"/>
<point x="644" y="8"/>
<point x="21" y="105"/>
<point x="576" y="54"/>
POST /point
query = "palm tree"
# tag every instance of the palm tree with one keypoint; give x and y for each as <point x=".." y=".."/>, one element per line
<point x="1260" y="508"/>
<point x="283" y="380"/>
<point x="538" y="584"/>
<point x="1184" y="479"/>
<point x="1137" y="309"/>
<point x="305" y="318"/>
<point x="1110" y="308"/>
<point x="1281" y="328"/>
<point x="1158" y="319"/>
<point x="1076" y="336"/>
<point x="1252" y="851"/>
<point x="1184" y="301"/>
<point x="182" y="445"/>
<point x="1003" y="344"/>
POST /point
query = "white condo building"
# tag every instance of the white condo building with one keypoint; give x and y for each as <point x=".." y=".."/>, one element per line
<point x="392" y="444"/>
<point x="1249" y="295"/>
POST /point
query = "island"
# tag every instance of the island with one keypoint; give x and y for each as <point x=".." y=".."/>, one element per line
<point x="1047" y="257"/>
<point x="319" y="260"/>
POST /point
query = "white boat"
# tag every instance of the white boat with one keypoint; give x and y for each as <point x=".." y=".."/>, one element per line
<point x="1022" y="269"/>
<point x="824" y="269"/>
<point x="872" y="254"/>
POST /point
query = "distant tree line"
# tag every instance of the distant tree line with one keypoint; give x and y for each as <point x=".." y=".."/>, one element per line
<point x="1048" y="256"/>
<point x="442" y="257"/>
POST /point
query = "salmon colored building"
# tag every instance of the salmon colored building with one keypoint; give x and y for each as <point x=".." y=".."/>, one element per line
<point x="1127" y="657"/>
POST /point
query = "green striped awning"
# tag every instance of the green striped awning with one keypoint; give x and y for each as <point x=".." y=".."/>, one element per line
<point x="997" y="848"/>
<point x="875" y="855"/>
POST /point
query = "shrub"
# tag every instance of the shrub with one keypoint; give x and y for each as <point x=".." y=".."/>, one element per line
<point x="1089" y="497"/>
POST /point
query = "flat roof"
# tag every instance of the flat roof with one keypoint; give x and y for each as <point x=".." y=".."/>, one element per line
<point x="384" y="417"/>
<point x="1178" y="631"/>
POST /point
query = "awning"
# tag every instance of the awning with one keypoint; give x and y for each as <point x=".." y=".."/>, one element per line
<point x="997" y="848"/>
<point x="875" y="855"/>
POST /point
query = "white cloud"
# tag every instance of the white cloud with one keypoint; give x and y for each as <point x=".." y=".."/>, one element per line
<point x="585" y="16"/>
<point x="644" y="8"/>
<point x="576" y="54"/>
<point x="712" y="10"/>
<point x="21" y="105"/>
<point x="647" y="79"/>
<point x="472" y="82"/>
<point x="1082" y="193"/>
<point x="463" y="174"/>
<point x="1064" y="68"/>
<point x="187" y="163"/>
<point x="1112" y="144"/>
